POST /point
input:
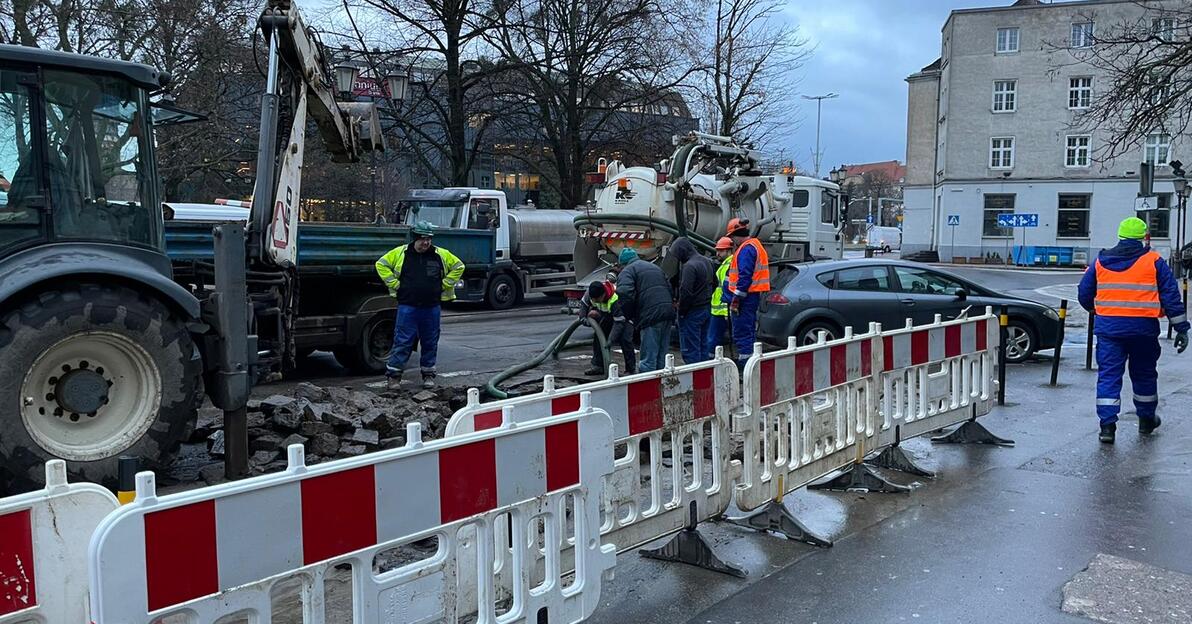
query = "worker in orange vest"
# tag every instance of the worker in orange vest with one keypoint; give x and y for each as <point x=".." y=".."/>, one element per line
<point x="748" y="277"/>
<point x="1128" y="288"/>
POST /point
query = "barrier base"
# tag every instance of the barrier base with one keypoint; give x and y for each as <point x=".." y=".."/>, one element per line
<point x="972" y="432"/>
<point x="860" y="478"/>
<point x="774" y="517"/>
<point x="689" y="547"/>
<point x="894" y="458"/>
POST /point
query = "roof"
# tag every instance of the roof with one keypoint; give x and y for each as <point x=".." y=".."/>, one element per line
<point x="143" y="75"/>
<point x="1035" y="4"/>
<point x="892" y="169"/>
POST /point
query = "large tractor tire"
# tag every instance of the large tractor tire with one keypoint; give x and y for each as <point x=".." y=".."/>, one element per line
<point x="90" y="373"/>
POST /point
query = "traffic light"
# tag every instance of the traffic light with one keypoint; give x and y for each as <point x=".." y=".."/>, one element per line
<point x="1177" y="168"/>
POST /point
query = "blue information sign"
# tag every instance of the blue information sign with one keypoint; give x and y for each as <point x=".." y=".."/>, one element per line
<point x="1018" y="220"/>
<point x="954" y="219"/>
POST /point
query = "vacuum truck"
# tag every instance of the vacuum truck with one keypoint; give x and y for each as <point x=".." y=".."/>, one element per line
<point x="707" y="181"/>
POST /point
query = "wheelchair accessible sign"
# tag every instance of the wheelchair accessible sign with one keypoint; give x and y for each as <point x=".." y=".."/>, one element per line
<point x="1018" y="220"/>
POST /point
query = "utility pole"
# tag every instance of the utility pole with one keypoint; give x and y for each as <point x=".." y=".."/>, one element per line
<point x="819" y="104"/>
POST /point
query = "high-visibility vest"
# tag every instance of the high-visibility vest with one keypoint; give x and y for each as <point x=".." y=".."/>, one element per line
<point x="607" y="306"/>
<point x="719" y="307"/>
<point x="389" y="270"/>
<point x="1133" y="292"/>
<point x="761" y="269"/>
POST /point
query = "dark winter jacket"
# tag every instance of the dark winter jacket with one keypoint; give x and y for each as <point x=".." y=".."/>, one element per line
<point x="1120" y="258"/>
<point x="646" y="294"/>
<point x="695" y="277"/>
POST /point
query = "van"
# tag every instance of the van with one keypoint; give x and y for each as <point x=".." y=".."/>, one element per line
<point x="884" y="239"/>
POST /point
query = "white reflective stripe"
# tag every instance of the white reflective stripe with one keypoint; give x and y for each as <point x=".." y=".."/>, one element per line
<point x="1109" y="401"/>
<point x="1129" y="304"/>
<point x="1129" y="286"/>
<point x="1183" y="318"/>
<point x="1146" y="398"/>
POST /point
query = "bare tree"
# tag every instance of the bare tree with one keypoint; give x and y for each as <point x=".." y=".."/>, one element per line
<point x="749" y="78"/>
<point x="1146" y="64"/>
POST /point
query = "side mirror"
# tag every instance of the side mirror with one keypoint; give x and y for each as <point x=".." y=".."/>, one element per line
<point x="962" y="294"/>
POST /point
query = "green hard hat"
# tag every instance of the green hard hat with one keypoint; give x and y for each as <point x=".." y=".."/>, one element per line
<point x="424" y="229"/>
<point x="1132" y="228"/>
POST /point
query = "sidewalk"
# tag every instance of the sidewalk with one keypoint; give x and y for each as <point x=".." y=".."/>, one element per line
<point x="994" y="538"/>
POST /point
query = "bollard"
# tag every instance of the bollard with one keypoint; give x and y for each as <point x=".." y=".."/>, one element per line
<point x="126" y="472"/>
<point x="1059" y="342"/>
<point x="1088" y="347"/>
<point x="1003" y="321"/>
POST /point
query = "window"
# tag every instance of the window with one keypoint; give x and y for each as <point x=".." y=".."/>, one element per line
<point x="1158" y="221"/>
<point x="800" y="198"/>
<point x="926" y="282"/>
<point x="1163" y="28"/>
<point x="1077" y="154"/>
<point x="1005" y="96"/>
<point x="1007" y="40"/>
<point x="1158" y="149"/>
<point x="20" y="219"/>
<point x="1073" y="216"/>
<point x="1082" y="35"/>
<point x="864" y="278"/>
<point x="827" y="208"/>
<point x="996" y="205"/>
<point x="1001" y="152"/>
<point x="1080" y="92"/>
<point x="1157" y="84"/>
<point x="482" y="215"/>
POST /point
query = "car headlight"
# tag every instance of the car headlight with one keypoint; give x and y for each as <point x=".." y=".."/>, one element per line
<point x="1051" y="314"/>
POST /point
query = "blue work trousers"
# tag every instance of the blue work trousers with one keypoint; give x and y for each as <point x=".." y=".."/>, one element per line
<point x="693" y="334"/>
<point x="745" y="326"/>
<point x="655" y="345"/>
<point x="717" y="330"/>
<point x="414" y="324"/>
<point x="1116" y="355"/>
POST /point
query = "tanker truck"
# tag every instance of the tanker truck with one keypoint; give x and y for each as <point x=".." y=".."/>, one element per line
<point x="708" y="181"/>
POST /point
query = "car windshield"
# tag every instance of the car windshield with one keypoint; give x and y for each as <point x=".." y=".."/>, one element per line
<point x="444" y="214"/>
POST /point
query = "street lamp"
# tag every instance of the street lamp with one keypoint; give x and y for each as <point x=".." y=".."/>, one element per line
<point x="345" y="78"/>
<point x="819" y="103"/>
<point x="398" y="83"/>
<point x="835" y="175"/>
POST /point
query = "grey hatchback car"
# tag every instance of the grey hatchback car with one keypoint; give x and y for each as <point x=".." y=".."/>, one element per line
<point x="828" y="296"/>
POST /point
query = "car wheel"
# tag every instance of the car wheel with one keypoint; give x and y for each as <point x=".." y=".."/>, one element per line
<point x="1020" y="341"/>
<point x="809" y="332"/>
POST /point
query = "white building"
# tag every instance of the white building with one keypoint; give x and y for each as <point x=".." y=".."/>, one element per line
<point x="990" y="130"/>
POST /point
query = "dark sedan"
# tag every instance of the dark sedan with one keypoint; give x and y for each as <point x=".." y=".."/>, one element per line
<point x="828" y="296"/>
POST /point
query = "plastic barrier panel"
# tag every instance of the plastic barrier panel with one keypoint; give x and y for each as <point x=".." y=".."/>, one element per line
<point x="809" y="410"/>
<point x="43" y="549"/>
<point x="937" y="375"/>
<point x="671" y="428"/>
<point x="226" y="550"/>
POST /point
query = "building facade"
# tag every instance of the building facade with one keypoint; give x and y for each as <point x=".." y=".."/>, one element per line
<point x="992" y="129"/>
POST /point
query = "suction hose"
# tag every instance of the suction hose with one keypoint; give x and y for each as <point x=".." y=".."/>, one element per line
<point x="557" y="344"/>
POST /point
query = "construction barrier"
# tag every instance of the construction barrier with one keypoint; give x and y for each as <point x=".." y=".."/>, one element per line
<point x="222" y="551"/>
<point x="680" y="414"/>
<point x="43" y="549"/>
<point x="809" y="410"/>
<point x="937" y="375"/>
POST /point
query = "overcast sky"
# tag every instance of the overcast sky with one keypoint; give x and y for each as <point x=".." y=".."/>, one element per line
<point x="864" y="49"/>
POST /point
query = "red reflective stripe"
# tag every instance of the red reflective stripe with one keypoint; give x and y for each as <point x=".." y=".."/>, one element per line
<point x="952" y="340"/>
<point x="467" y="480"/>
<point x="564" y="404"/>
<point x="704" y="402"/>
<point x="767" y="382"/>
<point x="920" y="350"/>
<point x="562" y="455"/>
<point x="804" y="373"/>
<point x="18" y="587"/>
<point x="838" y="365"/>
<point x="487" y="420"/>
<point x="645" y="406"/>
<point x="339" y="514"/>
<point x="982" y="334"/>
<point x="180" y="554"/>
<point x="888" y="353"/>
<point x="866" y="358"/>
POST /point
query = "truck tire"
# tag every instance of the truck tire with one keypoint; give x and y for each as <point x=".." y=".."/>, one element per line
<point x="502" y="292"/>
<point x="367" y="355"/>
<point x="90" y="373"/>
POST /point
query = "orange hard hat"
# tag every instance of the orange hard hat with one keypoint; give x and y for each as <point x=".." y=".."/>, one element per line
<point x="724" y="243"/>
<point x="736" y="224"/>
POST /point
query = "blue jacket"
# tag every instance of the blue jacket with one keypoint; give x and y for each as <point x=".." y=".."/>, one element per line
<point x="1120" y="258"/>
<point x="746" y="262"/>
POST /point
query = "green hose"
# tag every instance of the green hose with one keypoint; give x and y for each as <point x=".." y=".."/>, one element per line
<point x="557" y="344"/>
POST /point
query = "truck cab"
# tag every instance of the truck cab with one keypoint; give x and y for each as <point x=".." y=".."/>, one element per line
<point x="820" y="228"/>
<point x="462" y="208"/>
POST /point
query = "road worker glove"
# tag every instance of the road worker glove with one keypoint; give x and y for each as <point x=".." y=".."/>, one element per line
<point x="1181" y="342"/>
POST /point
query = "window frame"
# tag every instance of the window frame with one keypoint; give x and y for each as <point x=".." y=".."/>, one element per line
<point x="1002" y="150"/>
<point x="1069" y="150"/>
<point x="1076" y="91"/>
<point x="1009" y="97"/>
<point x="889" y="279"/>
<point x="1086" y="34"/>
<point x="1158" y="144"/>
<point x="1164" y="28"/>
<point x="1008" y="232"/>
<point x="29" y="78"/>
<point x="1017" y="36"/>
<point x="1088" y="210"/>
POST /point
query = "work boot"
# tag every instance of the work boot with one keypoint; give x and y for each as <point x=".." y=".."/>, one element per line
<point x="1148" y="425"/>
<point x="1107" y="433"/>
<point x="593" y="371"/>
<point x="428" y="380"/>
<point x="393" y="380"/>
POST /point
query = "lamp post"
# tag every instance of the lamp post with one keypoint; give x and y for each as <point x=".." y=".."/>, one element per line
<point x="819" y="104"/>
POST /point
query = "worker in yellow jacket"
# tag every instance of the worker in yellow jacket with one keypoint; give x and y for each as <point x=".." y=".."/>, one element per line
<point x="421" y="277"/>
<point x="718" y="328"/>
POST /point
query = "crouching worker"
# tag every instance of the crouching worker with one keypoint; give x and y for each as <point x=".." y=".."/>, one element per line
<point x="602" y="307"/>
<point x="421" y="277"/>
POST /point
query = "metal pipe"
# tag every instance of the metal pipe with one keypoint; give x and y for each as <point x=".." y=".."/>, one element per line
<point x="262" y="204"/>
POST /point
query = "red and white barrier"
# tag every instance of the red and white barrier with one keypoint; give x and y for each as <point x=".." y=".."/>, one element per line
<point x="937" y="375"/>
<point x="809" y="410"/>
<point x="43" y="549"/>
<point x="683" y="410"/>
<point x="221" y="550"/>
